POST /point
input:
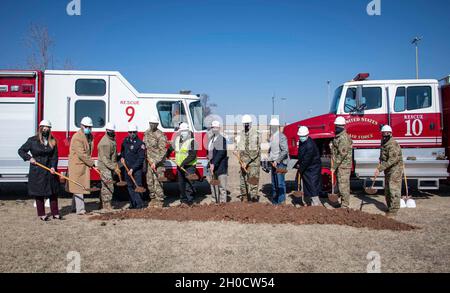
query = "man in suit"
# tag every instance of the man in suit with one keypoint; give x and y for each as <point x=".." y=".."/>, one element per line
<point x="218" y="162"/>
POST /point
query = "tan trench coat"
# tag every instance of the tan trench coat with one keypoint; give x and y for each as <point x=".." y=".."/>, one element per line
<point x="80" y="161"/>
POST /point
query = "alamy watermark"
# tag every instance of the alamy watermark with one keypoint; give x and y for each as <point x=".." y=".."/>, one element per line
<point x="374" y="8"/>
<point x="74" y="265"/>
<point x="74" y="8"/>
<point x="374" y="265"/>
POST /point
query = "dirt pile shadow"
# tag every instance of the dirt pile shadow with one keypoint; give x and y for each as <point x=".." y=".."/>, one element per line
<point x="255" y="213"/>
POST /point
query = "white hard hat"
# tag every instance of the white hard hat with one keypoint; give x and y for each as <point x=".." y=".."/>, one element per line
<point x="274" y="122"/>
<point x="110" y="126"/>
<point x="340" y="121"/>
<point x="303" y="131"/>
<point x="87" y="121"/>
<point x="154" y="119"/>
<point x="246" y="119"/>
<point x="215" y="123"/>
<point x="183" y="127"/>
<point x="386" y="128"/>
<point x="132" y="127"/>
<point x="46" y="123"/>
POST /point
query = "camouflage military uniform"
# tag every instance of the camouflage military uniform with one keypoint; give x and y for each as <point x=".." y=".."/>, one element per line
<point x="156" y="143"/>
<point x="107" y="164"/>
<point x="249" y="150"/>
<point x="341" y="154"/>
<point x="391" y="162"/>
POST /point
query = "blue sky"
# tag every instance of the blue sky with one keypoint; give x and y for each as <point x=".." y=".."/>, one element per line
<point x="240" y="52"/>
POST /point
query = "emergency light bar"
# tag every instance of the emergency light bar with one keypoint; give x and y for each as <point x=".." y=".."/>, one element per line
<point x="361" y="77"/>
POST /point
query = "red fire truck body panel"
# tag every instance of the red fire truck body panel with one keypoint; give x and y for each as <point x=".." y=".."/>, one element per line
<point x="24" y="102"/>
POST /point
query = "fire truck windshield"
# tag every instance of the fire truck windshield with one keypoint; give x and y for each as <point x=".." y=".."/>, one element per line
<point x="197" y="115"/>
<point x="335" y="102"/>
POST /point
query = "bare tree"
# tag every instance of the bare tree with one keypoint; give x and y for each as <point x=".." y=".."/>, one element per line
<point x="39" y="41"/>
<point x="68" y="65"/>
<point x="207" y="105"/>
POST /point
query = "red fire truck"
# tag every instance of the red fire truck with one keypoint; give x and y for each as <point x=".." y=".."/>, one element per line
<point x="417" y="111"/>
<point x="64" y="97"/>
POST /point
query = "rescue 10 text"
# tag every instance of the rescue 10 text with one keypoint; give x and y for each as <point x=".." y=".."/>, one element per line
<point x="226" y="283"/>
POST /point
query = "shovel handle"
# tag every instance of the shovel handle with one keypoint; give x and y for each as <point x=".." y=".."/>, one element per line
<point x="241" y="162"/>
<point x="131" y="176"/>
<point x="406" y="181"/>
<point x="61" y="175"/>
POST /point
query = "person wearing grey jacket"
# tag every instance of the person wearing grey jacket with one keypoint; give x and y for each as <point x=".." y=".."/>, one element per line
<point x="278" y="159"/>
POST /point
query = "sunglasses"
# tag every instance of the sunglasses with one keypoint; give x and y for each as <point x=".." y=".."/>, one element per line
<point x="132" y="132"/>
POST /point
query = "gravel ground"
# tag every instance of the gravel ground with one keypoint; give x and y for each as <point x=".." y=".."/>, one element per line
<point x="141" y="245"/>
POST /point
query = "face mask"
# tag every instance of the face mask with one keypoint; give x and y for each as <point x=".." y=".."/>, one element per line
<point x="87" y="131"/>
<point x="215" y="131"/>
<point x="273" y="130"/>
<point x="385" y="138"/>
<point x="46" y="134"/>
<point x="153" y="127"/>
<point x="132" y="136"/>
<point x="184" y="135"/>
<point x="303" y="138"/>
<point x="339" y="130"/>
<point x="111" y="134"/>
<point x="247" y="127"/>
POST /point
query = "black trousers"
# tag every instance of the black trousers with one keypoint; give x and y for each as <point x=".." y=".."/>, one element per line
<point x="135" y="197"/>
<point x="187" y="190"/>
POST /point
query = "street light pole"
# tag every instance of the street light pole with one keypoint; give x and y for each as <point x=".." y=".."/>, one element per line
<point x="283" y="109"/>
<point x="328" y="93"/>
<point x="415" y="42"/>
<point x="273" y="105"/>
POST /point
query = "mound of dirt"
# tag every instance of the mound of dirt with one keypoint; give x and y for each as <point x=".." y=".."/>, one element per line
<point x="253" y="213"/>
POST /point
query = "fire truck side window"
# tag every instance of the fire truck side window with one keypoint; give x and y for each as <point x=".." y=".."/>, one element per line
<point x="90" y="87"/>
<point x="91" y="108"/>
<point x="350" y="100"/>
<point x="171" y="114"/>
<point x="418" y="97"/>
<point x="372" y="98"/>
<point x="400" y="100"/>
<point x="412" y="98"/>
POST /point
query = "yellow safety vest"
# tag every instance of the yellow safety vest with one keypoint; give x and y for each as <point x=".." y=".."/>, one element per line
<point x="181" y="153"/>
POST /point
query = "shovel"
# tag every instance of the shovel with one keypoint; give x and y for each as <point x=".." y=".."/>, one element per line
<point x="160" y="178"/>
<point x="121" y="183"/>
<point x="282" y="171"/>
<point x="251" y="180"/>
<point x="410" y="203"/>
<point x="190" y="177"/>
<point x="65" y="177"/>
<point x="138" y="189"/>
<point x="333" y="197"/>
<point x="213" y="180"/>
<point x="106" y="181"/>
<point x="371" y="190"/>
<point x="298" y="193"/>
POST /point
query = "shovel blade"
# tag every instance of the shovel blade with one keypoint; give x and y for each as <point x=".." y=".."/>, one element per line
<point x="298" y="194"/>
<point x="370" y="191"/>
<point x="121" y="184"/>
<point x="333" y="197"/>
<point x="140" y="189"/>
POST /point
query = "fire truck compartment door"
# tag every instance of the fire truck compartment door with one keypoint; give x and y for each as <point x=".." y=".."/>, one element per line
<point x="419" y="163"/>
<point x="17" y="124"/>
